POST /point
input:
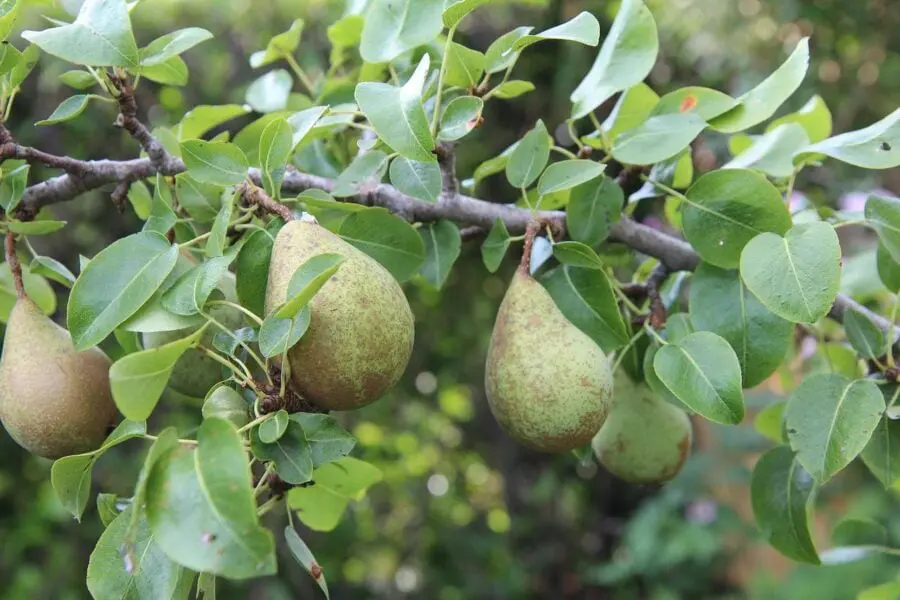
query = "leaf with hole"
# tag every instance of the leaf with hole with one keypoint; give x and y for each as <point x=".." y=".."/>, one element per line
<point x="874" y="147"/>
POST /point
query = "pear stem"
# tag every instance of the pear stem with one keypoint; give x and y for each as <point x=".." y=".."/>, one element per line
<point x="14" y="266"/>
<point x="530" y="232"/>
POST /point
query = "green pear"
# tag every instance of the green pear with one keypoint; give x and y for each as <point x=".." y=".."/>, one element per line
<point x="645" y="439"/>
<point x="195" y="373"/>
<point x="548" y="384"/>
<point x="361" y="330"/>
<point x="54" y="401"/>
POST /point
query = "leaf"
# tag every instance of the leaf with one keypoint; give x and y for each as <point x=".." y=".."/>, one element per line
<point x="442" y="243"/>
<point x="34" y="227"/>
<point x="12" y="187"/>
<point x="69" y="109"/>
<point x="138" y="380"/>
<point x="115" y="284"/>
<point x="568" y="174"/>
<point x="631" y="109"/>
<point x="464" y="66"/>
<point x="726" y="209"/>
<point x="585" y="298"/>
<point x="797" y="276"/>
<point x="388" y="239"/>
<point x="9" y="14"/>
<point x="277" y="336"/>
<point x="865" y="337"/>
<point x="220" y="534"/>
<point x="885" y="591"/>
<point x="252" y="267"/>
<point x="36" y="288"/>
<point x="703" y="372"/>
<point x="225" y="403"/>
<point x="394" y="26"/>
<point x="512" y="89"/>
<point x="304" y="121"/>
<point x="279" y="46"/>
<point x="306" y="281"/>
<point x="71" y="475"/>
<point x="172" y="72"/>
<point x="769" y="422"/>
<point x="814" y="117"/>
<point x="161" y="218"/>
<point x="582" y="28"/>
<point x="201" y="119"/>
<point x="202" y="201"/>
<point x="874" y="147"/>
<point x="275" y="147"/>
<point x="499" y="55"/>
<point x="291" y="453"/>
<point x="461" y="116"/>
<point x="829" y="419"/>
<point x="321" y="506"/>
<point x="577" y="254"/>
<point x="143" y="571"/>
<point x="270" y="92"/>
<point x="722" y="305"/>
<point x="762" y="101"/>
<point x="625" y="59"/>
<point x="781" y="492"/>
<point x="888" y="268"/>
<point x="52" y="269"/>
<point x="495" y="246"/>
<point x="100" y="36"/>
<point x="658" y="138"/>
<point x="397" y="114"/>
<point x="529" y="158"/>
<point x="273" y="428"/>
<point x="172" y="44"/>
<point x="705" y="102"/>
<point x="328" y="441"/>
<point x="771" y="153"/>
<point x="421" y="180"/>
<point x="218" y="163"/>
<point x="218" y="234"/>
<point x="363" y="174"/>
<point x="883" y="214"/>
<point x="302" y="553"/>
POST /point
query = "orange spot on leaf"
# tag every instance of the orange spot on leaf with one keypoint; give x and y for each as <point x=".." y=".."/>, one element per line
<point x="689" y="103"/>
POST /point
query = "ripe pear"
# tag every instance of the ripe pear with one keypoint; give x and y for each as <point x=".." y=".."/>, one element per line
<point x="548" y="384"/>
<point x="195" y="373"/>
<point x="54" y="401"/>
<point x="361" y="329"/>
<point x="645" y="439"/>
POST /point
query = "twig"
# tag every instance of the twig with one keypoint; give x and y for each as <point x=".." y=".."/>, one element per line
<point x="525" y="264"/>
<point x="255" y="196"/>
<point x="120" y="195"/>
<point x="446" y="156"/>
<point x="657" y="308"/>
<point x="472" y="233"/>
<point x="128" y="120"/>
<point x="14" y="266"/>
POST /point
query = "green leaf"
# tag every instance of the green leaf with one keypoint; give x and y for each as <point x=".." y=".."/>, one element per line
<point x="499" y="55"/>
<point x="116" y="284"/>
<point x="456" y="10"/>
<point x="252" y="267"/>
<point x="442" y="243"/>
<point x="585" y="298"/>
<point x="201" y="119"/>
<point x="321" y="506"/>
<point x="625" y="59"/>
<point x="568" y="174"/>
<point x="172" y="44"/>
<point x="275" y="146"/>
<point x="69" y="109"/>
<point x="577" y="254"/>
<point x="582" y="28"/>
<point x="772" y="153"/>
<point x="883" y="213"/>
<point x="705" y="102"/>
<point x="703" y="372"/>
<point x="397" y="114"/>
<point x="722" y="305"/>
<point x="460" y="117"/>
<point x="464" y="66"/>
<point x="9" y="14"/>
<point x="130" y="566"/>
<point x="830" y="419"/>
<point x="218" y="163"/>
<point x="270" y="92"/>
<point x="218" y="234"/>
<point x="594" y="207"/>
<point x="202" y="201"/>
<point x="34" y="227"/>
<point x="394" y="26"/>
<point x="769" y="422"/>
<point x="388" y="239"/>
<point x="888" y="268"/>
<point x="658" y="138"/>
<point x="273" y="428"/>
<point x="100" y="36"/>
<point x="303" y="122"/>
<point x="139" y="379"/>
<point x="279" y="46"/>
<point x="859" y="532"/>
<point x="814" y="117"/>
<point x="220" y="534"/>
<point x="190" y="292"/>
<point x="71" y="475"/>
<point x="328" y="441"/>
<point x="495" y="246"/>
<point x="161" y="217"/>
<point x="363" y="174"/>
<point x="141" y="199"/>
<point x="301" y="551"/>
<point x="12" y="187"/>
<point x="726" y="209"/>
<point x="25" y="63"/>
<point x="781" y="492"/>
<point x="529" y="158"/>
<point x="762" y="101"/>
<point x="79" y="80"/>
<point x="291" y="453"/>
<point x="865" y="337"/>
<point x="225" y="403"/>
<point x="306" y="281"/>
<point x="882" y="454"/>
<point x="172" y="72"/>
<point x="52" y="269"/>
<point x="512" y="89"/>
<point x="421" y="180"/>
<point x="797" y="276"/>
<point x="277" y="336"/>
<point x="874" y="147"/>
<point x="36" y="288"/>
<point x="631" y="109"/>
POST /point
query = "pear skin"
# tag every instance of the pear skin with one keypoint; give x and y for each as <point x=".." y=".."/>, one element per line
<point x="361" y="332"/>
<point x="645" y="439"/>
<point x="548" y="384"/>
<point x="54" y="401"/>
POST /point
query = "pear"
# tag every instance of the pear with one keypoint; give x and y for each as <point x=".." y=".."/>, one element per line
<point x="361" y="329"/>
<point x="645" y="439"/>
<point x="195" y="373"/>
<point x="548" y="384"/>
<point x="54" y="401"/>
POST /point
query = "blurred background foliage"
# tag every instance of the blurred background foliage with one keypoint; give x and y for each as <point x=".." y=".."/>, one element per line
<point x="464" y="513"/>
